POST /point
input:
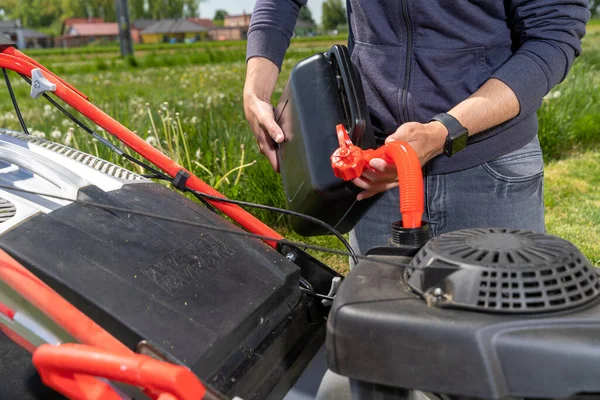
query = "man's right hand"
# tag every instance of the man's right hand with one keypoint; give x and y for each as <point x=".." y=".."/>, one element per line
<point x="261" y="77"/>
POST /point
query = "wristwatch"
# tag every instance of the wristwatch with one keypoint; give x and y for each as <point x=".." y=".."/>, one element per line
<point x="457" y="134"/>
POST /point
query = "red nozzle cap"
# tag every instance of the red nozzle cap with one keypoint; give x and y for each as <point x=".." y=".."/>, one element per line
<point x="347" y="161"/>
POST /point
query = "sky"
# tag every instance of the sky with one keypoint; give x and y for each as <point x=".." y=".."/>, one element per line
<point x="208" y="8"/>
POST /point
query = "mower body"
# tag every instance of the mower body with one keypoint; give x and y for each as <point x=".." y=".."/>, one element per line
<point x="226" y="306"/>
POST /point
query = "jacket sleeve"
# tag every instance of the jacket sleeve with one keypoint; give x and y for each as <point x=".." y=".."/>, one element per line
<point x="271" y="27"/>
<point x="548" y="37"/>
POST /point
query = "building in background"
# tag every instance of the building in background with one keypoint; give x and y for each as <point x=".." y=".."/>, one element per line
<point x="69" y="22"/>
<point x="241" y="21"/>
<point x="81" y="34"/>
<point x="31" y="38"/>
<point x="304" y="28"/>
<point x="173" y="31"/>
<point x="204" y="22"/>
<point x="142" y="23"/>
<point x="235" y="27"/>
<point x="81" y="31"/>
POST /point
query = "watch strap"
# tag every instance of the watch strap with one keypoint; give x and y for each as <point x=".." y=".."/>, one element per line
<point x="449" y="122"/>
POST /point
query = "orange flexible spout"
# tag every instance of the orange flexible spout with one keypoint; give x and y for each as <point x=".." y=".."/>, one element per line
<point x="349" y="161"/>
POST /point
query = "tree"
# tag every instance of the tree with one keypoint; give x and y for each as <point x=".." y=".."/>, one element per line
<point x="220" y="15"/>
<point x="595" y="7"/>
<point x="306" y="15"/>
<point x="334" y="14"/>
<point x="136" y="9"/>
<point x="192" y="8"/>
<point x="106" y="9"/>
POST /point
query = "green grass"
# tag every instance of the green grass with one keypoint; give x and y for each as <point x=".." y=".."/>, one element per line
<point x="572" y="199"/>
<point x="198" y="102"/>
<point x="570" y="114"/>
<point x="594" y="25"/>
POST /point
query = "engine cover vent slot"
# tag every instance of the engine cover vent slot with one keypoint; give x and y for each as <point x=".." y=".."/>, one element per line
<point x="503" y="270"/>
<point x="7" y="210"/>
<point x="81" y="157"/>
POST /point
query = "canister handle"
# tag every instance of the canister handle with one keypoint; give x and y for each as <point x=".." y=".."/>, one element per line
<point x="352" y="88"/>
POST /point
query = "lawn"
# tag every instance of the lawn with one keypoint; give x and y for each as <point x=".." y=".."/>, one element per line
<point x="191" y="108"/>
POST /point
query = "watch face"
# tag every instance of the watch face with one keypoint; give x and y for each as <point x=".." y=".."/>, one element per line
<point x="460" y="143"/>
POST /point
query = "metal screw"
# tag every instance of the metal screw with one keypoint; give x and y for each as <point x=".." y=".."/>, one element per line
<point x="291" y="256"/>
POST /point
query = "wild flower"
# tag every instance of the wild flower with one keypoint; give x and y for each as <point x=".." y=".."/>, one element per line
<point x="9" y="116"/>
<point x="56" y="134"/>
<point x="69" y="137"/>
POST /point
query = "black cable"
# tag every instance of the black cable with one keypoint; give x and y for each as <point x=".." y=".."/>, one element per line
<point x="283" y="211"/>
<point x="201" y="196"/>
<point x="297" y="245"/>
<point x="14" y="101"/>
<point x="206" y="203"/>
<point x="154" y="176"/>
<point x="315" y="294"/>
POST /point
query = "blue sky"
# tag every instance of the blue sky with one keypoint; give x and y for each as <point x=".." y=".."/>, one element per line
<point x="207" y="9"/>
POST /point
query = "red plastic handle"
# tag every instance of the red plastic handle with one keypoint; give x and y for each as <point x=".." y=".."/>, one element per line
<point x="349" y="161"/>
<point x="72" y="369"/>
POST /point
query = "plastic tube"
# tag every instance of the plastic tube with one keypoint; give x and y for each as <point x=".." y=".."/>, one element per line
<point x="410" y="180"/>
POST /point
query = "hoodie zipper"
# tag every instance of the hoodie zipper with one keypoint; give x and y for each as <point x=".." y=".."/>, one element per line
<point x="404" y="99"/>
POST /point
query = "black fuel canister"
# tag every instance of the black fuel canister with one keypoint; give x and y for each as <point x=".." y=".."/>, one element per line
<point x="323" y="91"/>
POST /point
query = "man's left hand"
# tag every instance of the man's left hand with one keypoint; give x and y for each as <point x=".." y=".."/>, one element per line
<point x="426" y="139"/>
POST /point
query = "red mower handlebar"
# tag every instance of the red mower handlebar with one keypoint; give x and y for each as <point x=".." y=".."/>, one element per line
<point x="72" y="369"/>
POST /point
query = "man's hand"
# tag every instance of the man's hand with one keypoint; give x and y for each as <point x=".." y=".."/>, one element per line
<point x="261" y="77"/>
<point x="427" y="140"/>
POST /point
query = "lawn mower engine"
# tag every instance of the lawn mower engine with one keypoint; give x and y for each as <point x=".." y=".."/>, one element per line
<point x="478" y="313"/>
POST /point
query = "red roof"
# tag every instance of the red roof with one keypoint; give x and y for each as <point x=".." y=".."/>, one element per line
<point x="204" y="22"/>
<point x="93" y="29"/>
<point x="71" y="21"/>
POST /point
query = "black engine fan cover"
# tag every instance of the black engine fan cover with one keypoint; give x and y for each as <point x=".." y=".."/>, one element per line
<point x="503" y="270"/>
<point x="380" y="331"/>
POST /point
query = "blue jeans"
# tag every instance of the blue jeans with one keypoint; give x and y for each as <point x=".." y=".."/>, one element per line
<point x="504" y="193"/>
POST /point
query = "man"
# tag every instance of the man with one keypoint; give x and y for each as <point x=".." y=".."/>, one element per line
<point x="434" y="71"/>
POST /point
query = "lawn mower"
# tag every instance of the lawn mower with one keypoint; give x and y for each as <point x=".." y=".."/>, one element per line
<point x="113" y="286"/>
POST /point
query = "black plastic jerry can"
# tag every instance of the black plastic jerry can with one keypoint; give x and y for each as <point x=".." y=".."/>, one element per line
<point x="323" y="91"/>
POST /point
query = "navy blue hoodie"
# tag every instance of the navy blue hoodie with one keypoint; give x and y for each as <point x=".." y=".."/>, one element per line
<point x="418" y="58"/>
